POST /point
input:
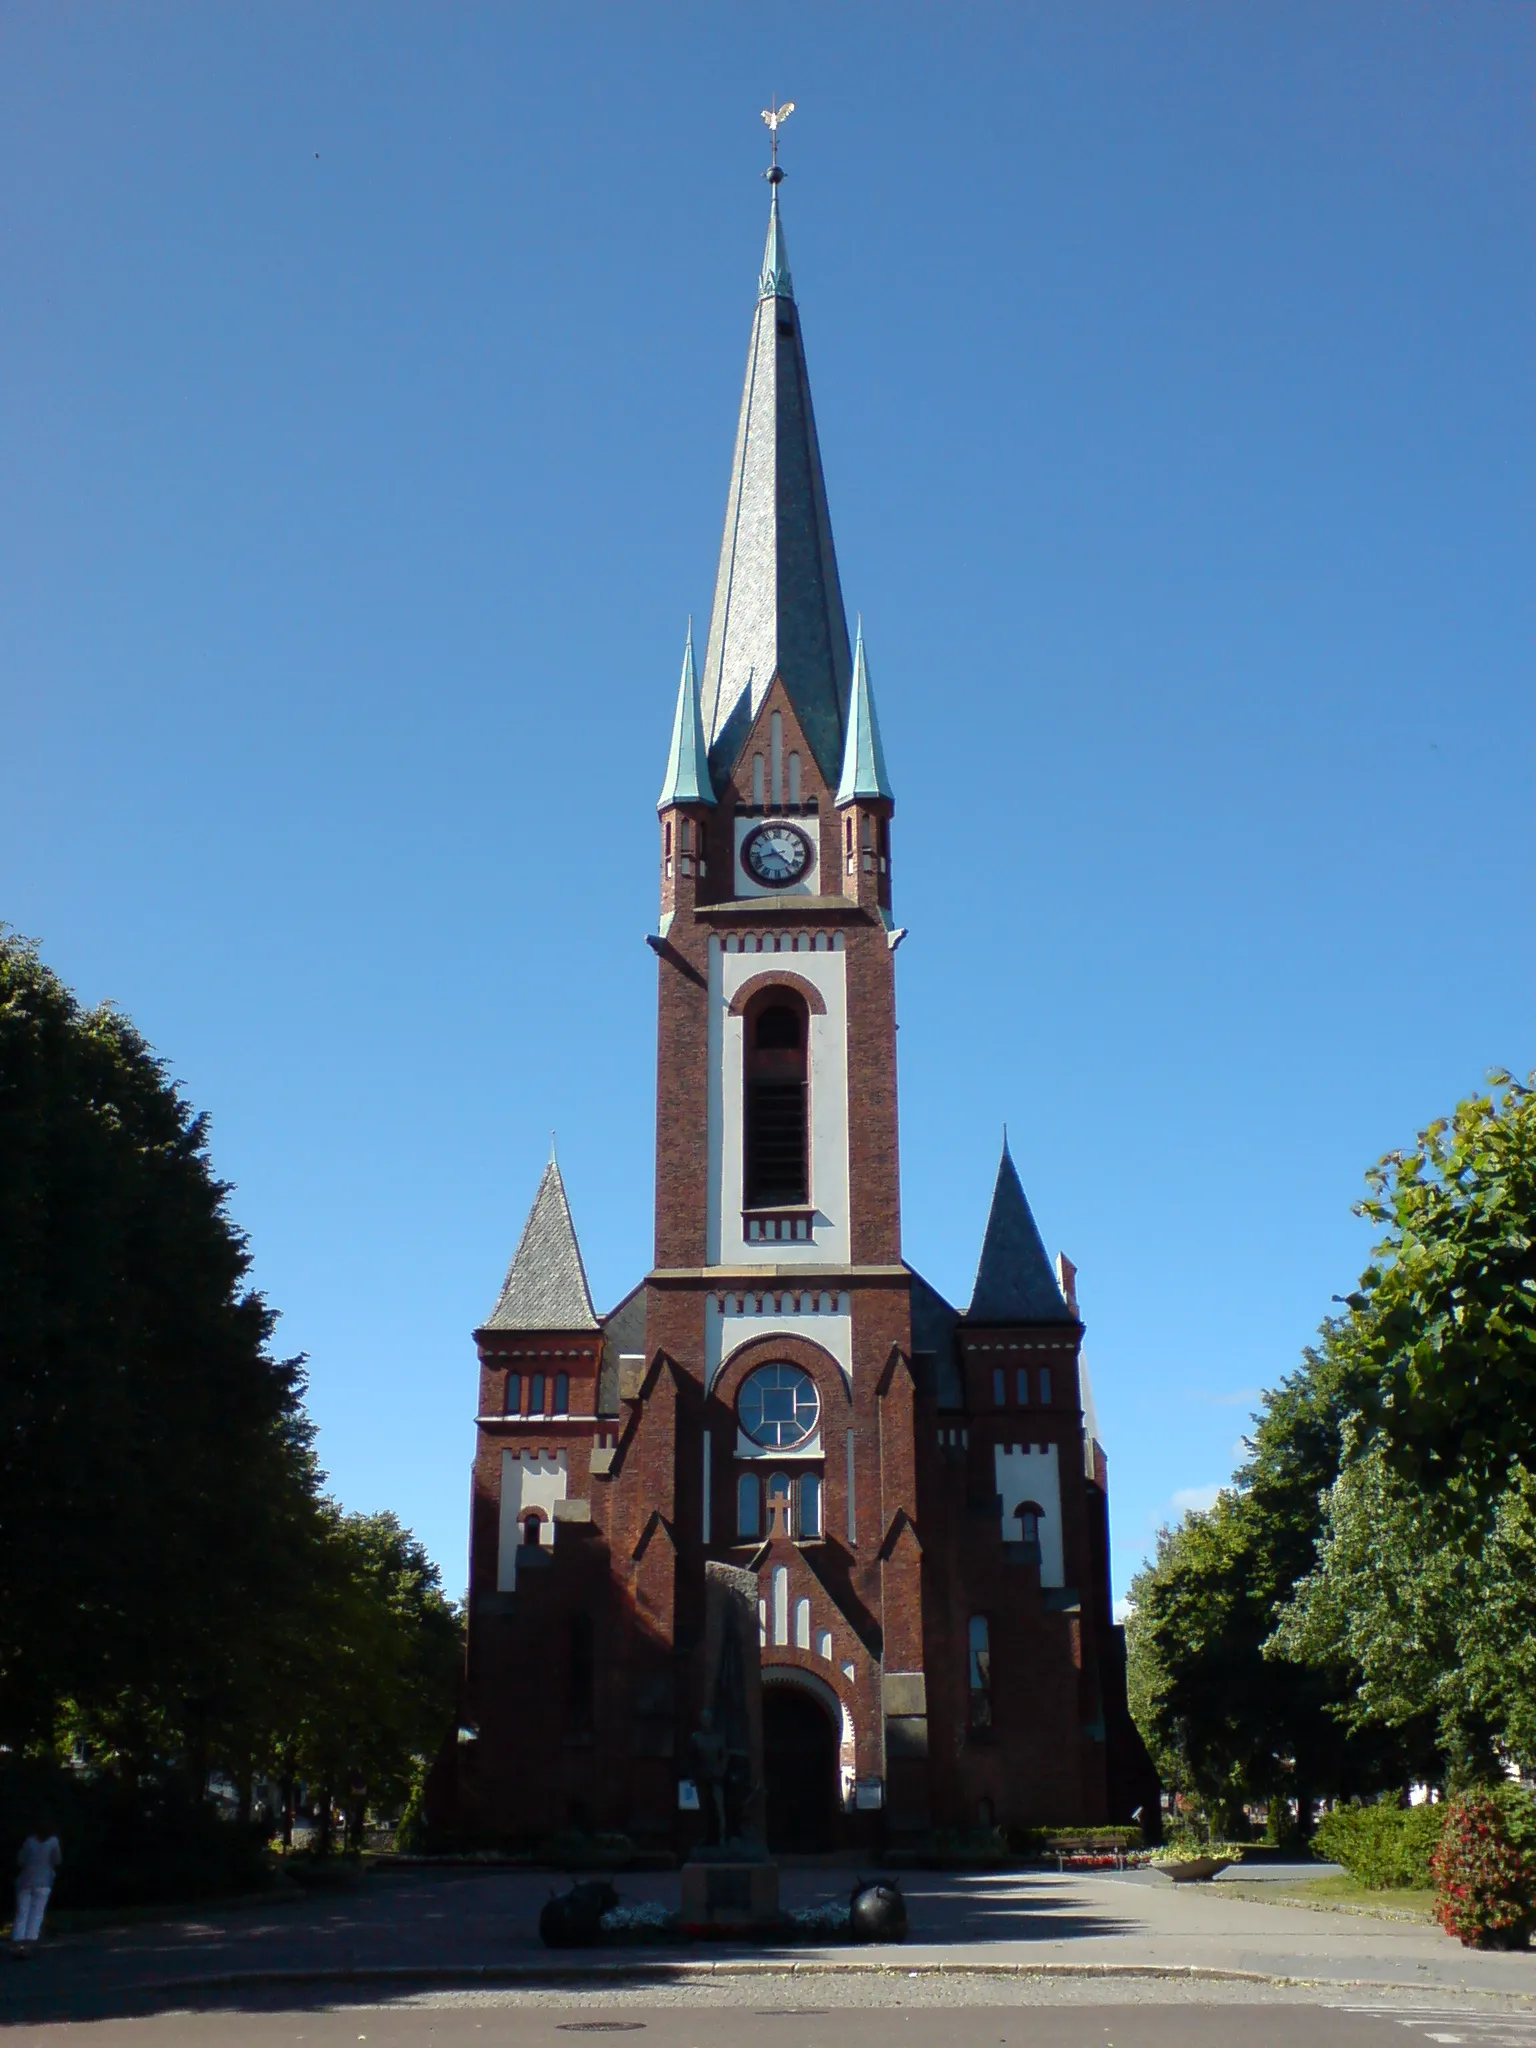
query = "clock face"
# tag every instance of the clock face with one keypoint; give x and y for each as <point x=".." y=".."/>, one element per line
<point x="776" y="855"/>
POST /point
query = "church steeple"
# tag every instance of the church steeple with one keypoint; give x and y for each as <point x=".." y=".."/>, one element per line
<point x="864" y="774"/>
<point x="778" y="606"/>
<point x="687" y="779"/>
<point x="1014" y="1281"/>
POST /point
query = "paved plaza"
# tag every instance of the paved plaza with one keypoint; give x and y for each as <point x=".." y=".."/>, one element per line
<point x="1112" y="1960"/>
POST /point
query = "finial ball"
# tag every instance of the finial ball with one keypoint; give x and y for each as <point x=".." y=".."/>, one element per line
<point x="774" y="176"/>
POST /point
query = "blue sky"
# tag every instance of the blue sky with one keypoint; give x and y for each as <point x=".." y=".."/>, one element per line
<point x="372" y="372"/>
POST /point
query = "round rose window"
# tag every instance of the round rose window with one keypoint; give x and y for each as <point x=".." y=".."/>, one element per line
<point x="778" y="1407"/>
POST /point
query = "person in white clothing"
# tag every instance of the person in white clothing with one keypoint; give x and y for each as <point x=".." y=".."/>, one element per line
<point x="37" y="1863"/>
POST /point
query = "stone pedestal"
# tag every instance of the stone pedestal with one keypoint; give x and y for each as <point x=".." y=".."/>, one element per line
<point x="730" y="1894"/>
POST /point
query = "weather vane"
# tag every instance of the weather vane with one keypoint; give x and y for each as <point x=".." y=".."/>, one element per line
<point x="775" y="117"/>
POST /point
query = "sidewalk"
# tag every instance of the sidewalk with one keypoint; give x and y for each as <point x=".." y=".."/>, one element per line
<point x="436" y="1927"/>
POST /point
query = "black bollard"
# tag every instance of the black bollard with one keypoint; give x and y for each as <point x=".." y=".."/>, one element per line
<point x="574" y="1919"/>
<point x="877" y="1912"/>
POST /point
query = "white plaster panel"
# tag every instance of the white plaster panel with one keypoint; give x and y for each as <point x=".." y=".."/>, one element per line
<point x="529" y="1479"/>
<point x="736" y="1318"/>
<point x="825" y="971"/>
<point x="715" y="1108"/>
<point x="805" y="883"/>
<point x="1029" y="1472"/>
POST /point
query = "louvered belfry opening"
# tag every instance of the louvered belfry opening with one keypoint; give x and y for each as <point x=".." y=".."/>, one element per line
<point x="777" y="1149"/>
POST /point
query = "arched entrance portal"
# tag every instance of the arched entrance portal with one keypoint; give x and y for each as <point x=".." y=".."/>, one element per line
<point x="800" y="1746"/>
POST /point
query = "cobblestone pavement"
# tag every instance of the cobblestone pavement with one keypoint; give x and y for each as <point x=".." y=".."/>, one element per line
<point x="993" y="1940"/>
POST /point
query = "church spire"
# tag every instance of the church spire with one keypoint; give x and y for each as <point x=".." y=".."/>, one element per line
<point x="778" y="606"/>
<point x="687" y="779"/>
<point x="1014" y="1281"/>
<point x="546" y="1284"/>
<point x="863" y="756"/>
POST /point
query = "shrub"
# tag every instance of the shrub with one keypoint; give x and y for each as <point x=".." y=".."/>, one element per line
<point x="1385" y="1848"/>
<point x="1485" y="1869"/>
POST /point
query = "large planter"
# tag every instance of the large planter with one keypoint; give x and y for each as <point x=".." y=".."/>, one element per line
<point x="1196" y="1869"/>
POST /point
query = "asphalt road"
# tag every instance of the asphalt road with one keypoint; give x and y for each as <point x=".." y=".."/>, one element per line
<point x="444" y="1955"/>
<point x="514" y="2022"/>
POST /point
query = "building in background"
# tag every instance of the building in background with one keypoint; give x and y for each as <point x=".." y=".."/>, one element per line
<point x="920" y="1491"/>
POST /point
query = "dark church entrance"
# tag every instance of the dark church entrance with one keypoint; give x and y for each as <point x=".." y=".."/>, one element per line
<point x="800" y="1742"/>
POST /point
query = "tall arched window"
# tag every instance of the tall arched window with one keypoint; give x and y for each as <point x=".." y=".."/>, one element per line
<point x="514" y="1400"/>
<point x="776" y="1148"/>
<point x="562" y="1393"/>
<point x="749" y="1514"/>
<point x="809" y="1517"/>
<point x="536" y="1394"/>
<point x="979" y="1660"/>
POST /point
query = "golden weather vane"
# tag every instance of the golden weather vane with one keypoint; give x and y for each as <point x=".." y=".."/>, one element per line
<point x="775" y="117"/>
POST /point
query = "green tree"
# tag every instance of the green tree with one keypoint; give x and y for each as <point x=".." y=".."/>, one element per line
<point x="177" y="1590"/>
<point x="158" y="1493"/>
<point x="1225" y="1725"/>
<point x="1445" y="1315"/>
<point x="381" y="1676"/>
<point x="1422" y="1581"/>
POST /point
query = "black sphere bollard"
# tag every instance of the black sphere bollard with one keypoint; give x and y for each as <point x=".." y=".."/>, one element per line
<point x="574" y="1919"/>
<point x="877" y="1912"/>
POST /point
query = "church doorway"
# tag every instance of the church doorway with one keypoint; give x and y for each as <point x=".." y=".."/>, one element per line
<point x="800" y="1776"/>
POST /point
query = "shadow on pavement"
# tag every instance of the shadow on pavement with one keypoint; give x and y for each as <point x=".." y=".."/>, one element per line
<point x="447" y="1932"/>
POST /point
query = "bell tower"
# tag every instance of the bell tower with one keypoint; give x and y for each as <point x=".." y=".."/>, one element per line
<point x="917" y="1490"/>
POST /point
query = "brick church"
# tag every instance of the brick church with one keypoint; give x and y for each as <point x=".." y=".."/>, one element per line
<point x="919" y="1489"/>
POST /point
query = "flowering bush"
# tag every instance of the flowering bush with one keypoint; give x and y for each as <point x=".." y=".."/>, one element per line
<point x="1485" y="1869"/>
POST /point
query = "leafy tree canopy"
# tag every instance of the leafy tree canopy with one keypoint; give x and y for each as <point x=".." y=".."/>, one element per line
<point x="1445" y="1316"/>
<point x="177" y="1589"/>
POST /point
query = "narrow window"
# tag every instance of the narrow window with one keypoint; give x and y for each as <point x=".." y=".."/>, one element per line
<point x="776" y="747"/>
<point x="513" y="1404"/>
<point x="802" y="1624"/>
<point x="757" y="781"/>
<point x="531" y="1530"/>
<point x="980" y="1660"/>
<point x="999" y="1391"/>
<point x="749" y="1519"/>
<point x="810" y="1507"/>
<point x="686" y="828"/>
<point x="794" y="778"/>
<point x="853" y="1512"/>
<point x="1023" y="1386"/>
<point x="562" y="1393"/>
<point x="536" y="1394"/>
<point x="777" y="1166"/>
<point x="1030" y="1514"/>
<point x="666" y="833"/>
<point x="1045" y="1385"/>
<point x="781" y="1605"/>
<point x="579" y="1682"/>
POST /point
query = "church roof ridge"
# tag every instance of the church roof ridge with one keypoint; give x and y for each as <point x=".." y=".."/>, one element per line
<point x="778" y="604"/>
<point x="687" y="780"/>
<point x="864" y="772"/>
<point x="546" y="1284"/>
<point x="1014" y="1280"/>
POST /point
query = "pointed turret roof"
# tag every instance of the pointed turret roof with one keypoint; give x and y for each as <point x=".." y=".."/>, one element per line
<point x="687" y="779"/>
<point x="1014" y="1281"/>
<point x="863" y="756"/>
<point x="546" y="1284"/>
<point x="778" y="606"/>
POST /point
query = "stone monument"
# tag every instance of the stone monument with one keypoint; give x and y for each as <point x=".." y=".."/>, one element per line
<point x="729" y="1881"/>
